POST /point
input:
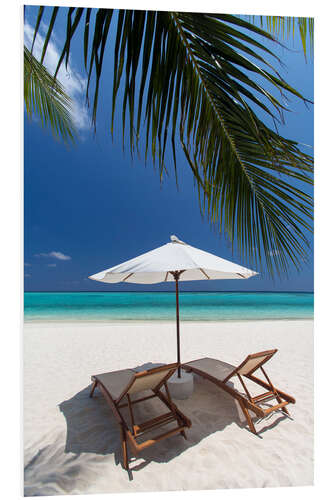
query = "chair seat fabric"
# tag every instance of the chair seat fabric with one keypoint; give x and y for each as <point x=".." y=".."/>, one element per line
<point x="213" y="367"/>
<point x="115" y="382"/>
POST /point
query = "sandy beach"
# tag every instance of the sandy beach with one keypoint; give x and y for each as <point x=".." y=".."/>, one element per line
<point x="71" y="442"/>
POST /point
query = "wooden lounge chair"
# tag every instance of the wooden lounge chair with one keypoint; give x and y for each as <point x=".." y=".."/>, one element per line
<point x="220" y="374"/>
<point x="122" y="385"/>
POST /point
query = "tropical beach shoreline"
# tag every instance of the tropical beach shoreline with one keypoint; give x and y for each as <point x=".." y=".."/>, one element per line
<point x="160" y="306"/>
<point x="131" y="322"/>
<point x="71" y="442"/>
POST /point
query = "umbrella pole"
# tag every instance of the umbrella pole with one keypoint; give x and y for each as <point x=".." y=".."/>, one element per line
<point x="177" y="316"/>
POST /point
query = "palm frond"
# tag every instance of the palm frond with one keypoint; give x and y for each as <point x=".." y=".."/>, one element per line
<point x="45" y="96"/>
<point x="284" y="27"/>
<point x="200" y="79"/>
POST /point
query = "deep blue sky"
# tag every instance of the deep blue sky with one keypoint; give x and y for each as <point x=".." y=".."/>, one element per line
<point x="97" y="205"/>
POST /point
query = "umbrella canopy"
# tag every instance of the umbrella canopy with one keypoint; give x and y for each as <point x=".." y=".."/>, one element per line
<point x="175" y="261"/>
<point x="159" y="265"/>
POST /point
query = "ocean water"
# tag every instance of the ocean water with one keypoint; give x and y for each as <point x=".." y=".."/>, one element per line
<point x="194" y="306"/>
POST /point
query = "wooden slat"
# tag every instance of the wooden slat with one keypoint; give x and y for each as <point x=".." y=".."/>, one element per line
<point x="276" y="407"/>
<point x="154" y="421"/>
<point x="263" y="396"/>
<point x="139" y="431"/>
<point x="152" y="441"/>
<point x="283" y="395"/>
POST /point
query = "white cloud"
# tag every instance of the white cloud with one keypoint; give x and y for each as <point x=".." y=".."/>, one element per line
<point x="73" y="83"/>
<point x="60" y="256"/>
<point x="54" y="254"/>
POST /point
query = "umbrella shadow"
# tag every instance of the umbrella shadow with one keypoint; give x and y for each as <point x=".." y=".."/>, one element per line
<point x="92" y="429"/>
<point x="71" y="458"/>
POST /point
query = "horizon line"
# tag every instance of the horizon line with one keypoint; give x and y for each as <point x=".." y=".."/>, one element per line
<point x="168" y="291"/>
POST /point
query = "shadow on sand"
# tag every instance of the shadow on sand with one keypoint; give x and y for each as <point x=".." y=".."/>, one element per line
<point x="91" y="427"/>
<point x="92" y="436"/>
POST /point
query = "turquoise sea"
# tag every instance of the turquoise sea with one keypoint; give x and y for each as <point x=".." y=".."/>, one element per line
<point x="194" y="306"/>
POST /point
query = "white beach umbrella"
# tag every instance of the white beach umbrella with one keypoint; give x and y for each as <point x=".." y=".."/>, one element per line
<point x="175" y="261"/>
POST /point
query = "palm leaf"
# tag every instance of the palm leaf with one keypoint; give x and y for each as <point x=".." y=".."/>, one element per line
<point x="285" y="26"/>
<point x="45" y="96"/>
<point x="202" y="77"/>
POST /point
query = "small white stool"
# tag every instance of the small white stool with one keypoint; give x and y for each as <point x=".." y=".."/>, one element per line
<point x="181" y="388"/>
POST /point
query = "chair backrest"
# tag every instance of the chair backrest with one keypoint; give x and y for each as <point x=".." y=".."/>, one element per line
<point x="149" y="379"/>
<point x="255" y="361"/>
<point x="252" y="362"/>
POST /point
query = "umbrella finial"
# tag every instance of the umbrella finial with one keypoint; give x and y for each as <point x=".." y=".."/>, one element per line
<point x="174" y="239"/>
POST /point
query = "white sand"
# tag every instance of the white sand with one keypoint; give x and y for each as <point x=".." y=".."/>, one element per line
<point x="72" y="443"/>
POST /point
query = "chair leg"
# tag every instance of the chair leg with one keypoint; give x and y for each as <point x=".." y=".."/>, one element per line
<point x="124" y="448"/>
<point x="172" y="407"/>
<point x="92" y="389"/>
<point x="131" y="414"/>
<point x="248" y="417"/>
<point x="278" y="398"/>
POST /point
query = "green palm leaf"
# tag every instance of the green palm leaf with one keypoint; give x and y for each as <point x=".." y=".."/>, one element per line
<point x="201" y="78"/>
<point x="285" y="26"/>
<point x="45" y="96"/>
